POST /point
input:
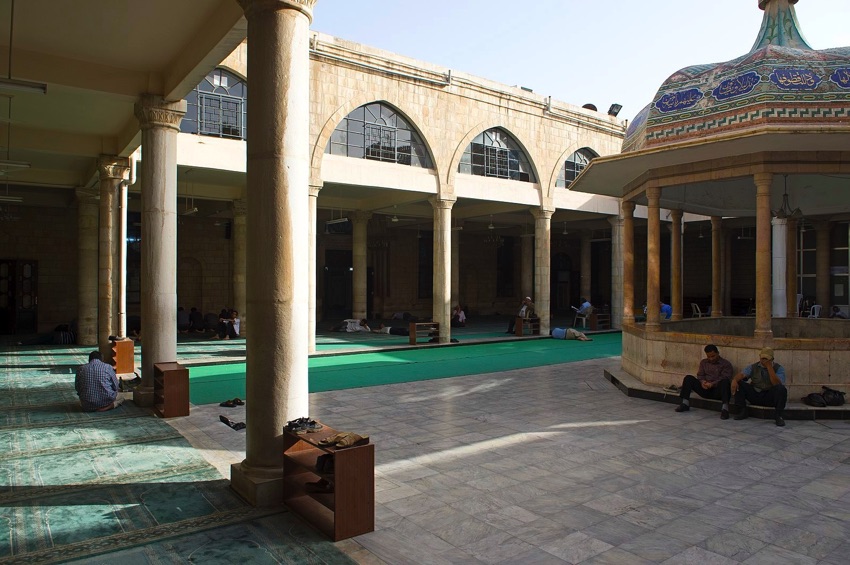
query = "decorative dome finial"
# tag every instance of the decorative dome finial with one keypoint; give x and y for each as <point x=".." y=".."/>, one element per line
<point x="779" y="26"/>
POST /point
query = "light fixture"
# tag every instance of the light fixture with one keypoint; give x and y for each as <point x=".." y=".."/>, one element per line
<point x="785" y="210"/>
<point x="614" y="109"/>
<point x="336" y="221"/>
<point x="16" y="199"/>
<point x="700" y="232"/>
<point x="11" y="84"/>
<point x="394" y="218"/>
<point x="189" y="211"/>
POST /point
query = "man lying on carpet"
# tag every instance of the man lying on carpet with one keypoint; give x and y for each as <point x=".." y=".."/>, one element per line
<point x="382" y="329"/>
<point x="97" y="385"/>
<point x="569" y="333"/>
<point x="352" y="325"/>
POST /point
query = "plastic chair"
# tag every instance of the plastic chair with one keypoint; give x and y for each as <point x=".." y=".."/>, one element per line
<point x="696" y="312"/>
<point x="582" y="317"/>
<point x="815" y="312"/>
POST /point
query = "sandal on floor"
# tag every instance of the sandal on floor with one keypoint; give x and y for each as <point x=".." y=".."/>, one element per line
<point x="228" y="404"/>
<point x="238" y="401"/>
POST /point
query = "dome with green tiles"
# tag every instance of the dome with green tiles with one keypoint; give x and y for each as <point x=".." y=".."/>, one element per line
<point x="780" y="83"/>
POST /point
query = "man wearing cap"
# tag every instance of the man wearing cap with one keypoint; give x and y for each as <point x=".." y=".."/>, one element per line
<point x="762" y="384"/>
<point x="526" y="310"/>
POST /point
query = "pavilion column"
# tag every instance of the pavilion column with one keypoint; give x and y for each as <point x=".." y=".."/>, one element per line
<point x="527" y="266"/>
<point x="628" y="239"/>
<point x="311" y="269"/>
<point x="653" y="259"/>
<point x="456" y="297"/>
<point x="87" y="268"/>
<point x="111" y="170"/>
<point x="160" y="122"/>
<point x="585" y="280"/>
<point x="543" y="266"/>
<point x="278" y="165"/>
<point x="676" y="264"/>
<point x="121" y="267"/>
<point x="240" y="263"/>
<point x="726" y="294"/>
<point x="791" y="302"/>
<point x="822" y="267"/>
<point x="716" y="266"/>
<point x="359" y="236"/>
<point x="616" y="271"/>
<point x="441" y="304"/>
<point x="780" y="262"/>
<point x="764" y="310"/>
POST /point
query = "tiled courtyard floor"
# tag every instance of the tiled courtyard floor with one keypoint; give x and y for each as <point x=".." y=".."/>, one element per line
<point x="555" y="465"/>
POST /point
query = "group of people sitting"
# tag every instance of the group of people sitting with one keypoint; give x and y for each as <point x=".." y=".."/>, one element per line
<point x="761" y="384"/>
<point x="228" y="324"/>
<point x="191" y="321"/>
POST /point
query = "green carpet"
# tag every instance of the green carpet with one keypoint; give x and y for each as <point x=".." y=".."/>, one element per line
<point x="214" y="383"/>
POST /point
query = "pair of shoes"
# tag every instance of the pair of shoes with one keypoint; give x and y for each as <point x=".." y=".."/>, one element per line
<point x="234" y="425"/>
<point x="231" y="403"/>
<point x="344" y="439"/>
<point x="742" y="415"/>
<point x="303" y="424"/>
<point x="780" y="422"/>
<point x="724" y="414"/>
<point x="321" y="485"/>
<point x="682" y="408"/>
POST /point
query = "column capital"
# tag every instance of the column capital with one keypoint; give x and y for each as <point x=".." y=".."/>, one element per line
<point x="542" y="213"/>
<point x="763" y="180"/>
<point x="441" y="203"/>
<point x="653" y="193"/>
<point x="628" y="207"/>
<point x="112" y="167"/>
<point x="314" y="190"/>
<point x="676" y="215"/>
<point x="82" y="193"/>
<point x="154" y="112"/>
<point x="240" y="207"/>
<point x="779" y="221"/>
<point x="615" y="221"/>
<point x="716" y="223"/>
<point x="254" y="8"/>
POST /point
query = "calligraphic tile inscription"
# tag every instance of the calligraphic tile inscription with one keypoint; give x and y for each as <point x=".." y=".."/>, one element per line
<point x="681" y="100"/>
<point x="795" y="79"/>
<point x="736" y="86"/>
<point x="841" y="78"/>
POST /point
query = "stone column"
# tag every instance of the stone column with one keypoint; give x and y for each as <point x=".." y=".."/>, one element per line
<point x="240" y="263"/>
<point x="779" y="264"/>
<point x="822" y="267"/>
<point x="764" y="310"/>
<point x="441" y="304"/>
<point x="278" y="164"/>
<point x="111" y="171"/>
<point x="312" y="266"/>
<point x="676" y="264"/>
<point x="791" y="302"/>
<point x="653" y="259"/>
<point x="121" y="278"/>
<point x="359" y="285"/>
<point x="87" y="269"/>
<point x="616" y="271"/>
<point x="160" y="122"/>
<point x="526" y="272"/>
<point x="543" y="266"/>
<point x="727" y="275"/>
<point x="585" y="277"/>
<point x="716" y="266"/>
<point x="628" y="211"/>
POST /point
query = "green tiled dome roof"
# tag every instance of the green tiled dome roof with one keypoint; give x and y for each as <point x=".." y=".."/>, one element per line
<point x="781" y="81"/>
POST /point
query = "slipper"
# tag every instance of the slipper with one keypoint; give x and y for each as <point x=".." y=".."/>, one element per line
<point x="228" y="404"/>
<point x="238" y="401"/>
<point x="351" y="440"/>
<point x="234" y="425"/>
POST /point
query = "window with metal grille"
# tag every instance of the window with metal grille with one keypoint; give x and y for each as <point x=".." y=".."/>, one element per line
<point x="376" y="131"/>
<point x="217" y="107"/>
<point x="574" y="165"/>
<point x="494" y="153"/>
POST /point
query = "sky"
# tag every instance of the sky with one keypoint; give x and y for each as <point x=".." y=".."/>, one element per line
<point x="577" y="51"/>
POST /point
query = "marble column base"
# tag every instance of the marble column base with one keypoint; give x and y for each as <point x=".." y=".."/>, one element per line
<point x="259" y="487"/>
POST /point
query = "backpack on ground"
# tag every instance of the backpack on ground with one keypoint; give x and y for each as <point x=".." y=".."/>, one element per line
<point x="814" y="399"/>
<point x="832" y="397"/>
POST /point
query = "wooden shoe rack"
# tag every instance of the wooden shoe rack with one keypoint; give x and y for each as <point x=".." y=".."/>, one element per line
<point x="347" y="509"/>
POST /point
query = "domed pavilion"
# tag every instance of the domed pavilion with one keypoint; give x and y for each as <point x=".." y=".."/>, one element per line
<point x="755" y="152"/>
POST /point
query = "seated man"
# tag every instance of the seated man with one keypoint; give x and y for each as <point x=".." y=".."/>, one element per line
<point x="196" y="320"/>
<point x="458" y="317"/>
<point x="713" y="380"/>
<point x="97" y="385"/>
<point x="762" y="384"/>
<point x="585" y="306"/>
<point x="526" y="310"/>
<point x="837" y="313"/>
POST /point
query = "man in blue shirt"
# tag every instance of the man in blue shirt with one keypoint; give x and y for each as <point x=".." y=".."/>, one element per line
<point x="97" y="385"/>
<point x="666" y="311"/>
<point x="762" y="384"/>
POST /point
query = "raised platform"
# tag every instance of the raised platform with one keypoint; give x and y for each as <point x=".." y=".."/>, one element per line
<point x="794" y="410"/>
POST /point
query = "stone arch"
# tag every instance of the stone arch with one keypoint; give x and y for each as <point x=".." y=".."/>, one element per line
<point x="340" y="113"/>
<point x="471" y="134"/>
<point x="553" y="176"/>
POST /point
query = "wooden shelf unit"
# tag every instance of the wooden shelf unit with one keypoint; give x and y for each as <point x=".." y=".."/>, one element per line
<point x="123" y="351"/>
<point x="170" y="390"/>
<point x="422" y="328"/>
<point x="347" y="511"/>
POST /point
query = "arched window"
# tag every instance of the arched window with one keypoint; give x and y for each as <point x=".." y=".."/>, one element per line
<point x="574" y="164"/>
<point x="376" y="131"/>
<point x="217" y="106"/>
<point x="494" y="153"/>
